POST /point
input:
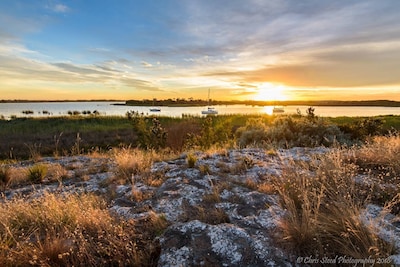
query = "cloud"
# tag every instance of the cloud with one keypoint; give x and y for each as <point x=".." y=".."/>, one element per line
<point x="60" y="8"/>
<point x="140" y="84"/>
<point x="146" y="64"/>
<point x="81" y="70"/>
<point x="57" y="7"/>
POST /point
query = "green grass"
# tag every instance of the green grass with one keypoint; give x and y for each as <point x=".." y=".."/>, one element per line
<point x="389" y="121"/>
<point x="62" y="124"/>
<point x="58" y="135"/>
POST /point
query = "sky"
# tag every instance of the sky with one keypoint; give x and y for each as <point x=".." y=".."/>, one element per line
<point x="237" y="49"/>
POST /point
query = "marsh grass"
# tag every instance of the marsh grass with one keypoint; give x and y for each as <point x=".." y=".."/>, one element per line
<point x="75" y="230"/>
<point x="323" y="207"/>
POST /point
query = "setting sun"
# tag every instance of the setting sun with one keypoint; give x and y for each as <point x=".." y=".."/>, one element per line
<point x="270" y="92"/>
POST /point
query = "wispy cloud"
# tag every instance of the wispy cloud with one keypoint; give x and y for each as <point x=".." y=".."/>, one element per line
<point x="57" y="7"/>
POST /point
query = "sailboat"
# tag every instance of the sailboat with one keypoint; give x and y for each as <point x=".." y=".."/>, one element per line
<point x="278" y="109"/>
<point x="155" y="109"/>
<point x="209" y="110"/>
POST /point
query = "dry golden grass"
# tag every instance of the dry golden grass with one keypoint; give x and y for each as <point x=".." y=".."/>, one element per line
<point x="380" y="153"/>
<point x="324" y="205"/>
<point x="379" y="159"/>
<point x="204" y="212"/>
<point x="137" y="162"/>
<point x="155" y="179"/>
<point x="56" y="172"/>
<point x="73" y="231"/>
<point x="266" y="188"/>
<point x="132" y="161"/>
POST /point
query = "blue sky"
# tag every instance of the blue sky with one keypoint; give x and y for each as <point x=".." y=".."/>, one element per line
<point x="252" y="49"/>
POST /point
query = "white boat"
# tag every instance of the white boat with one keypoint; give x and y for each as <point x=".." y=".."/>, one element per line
<point x="209" y="110"/>
<point x="155" y="109"/>
<point x="278" y="110"/>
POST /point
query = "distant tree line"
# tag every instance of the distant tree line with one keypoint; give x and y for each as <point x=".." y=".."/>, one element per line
<point x="202" y="102"/>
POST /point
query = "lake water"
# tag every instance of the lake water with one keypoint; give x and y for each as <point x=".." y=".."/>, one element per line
<point x="49" y="109"/>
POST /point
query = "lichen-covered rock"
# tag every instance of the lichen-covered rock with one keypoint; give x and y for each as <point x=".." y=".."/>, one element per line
<point x="199" y="244"/>
<point x="216" y="216"/>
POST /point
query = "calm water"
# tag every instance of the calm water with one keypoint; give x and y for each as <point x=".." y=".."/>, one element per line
<point x="108" y="109"/>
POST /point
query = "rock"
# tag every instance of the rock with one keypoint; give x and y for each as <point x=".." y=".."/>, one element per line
<point x="216" y="217"/>
<point x="199" y="244"/>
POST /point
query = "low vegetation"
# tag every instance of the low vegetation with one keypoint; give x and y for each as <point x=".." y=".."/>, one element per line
<point x="32" y="138"/>
<point x="324" y="205"/>
<point x="76" y="230"/>
<point x="324" y="199"/>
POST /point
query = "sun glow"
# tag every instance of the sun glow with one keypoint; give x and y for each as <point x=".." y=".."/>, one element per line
<point x="270" y="92"/>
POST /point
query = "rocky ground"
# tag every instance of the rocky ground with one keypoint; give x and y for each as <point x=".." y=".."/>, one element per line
<point x="216" y="216"/>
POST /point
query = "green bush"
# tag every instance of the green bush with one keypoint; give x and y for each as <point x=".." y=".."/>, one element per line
<point x="363" y="128"/>
<point x="254" y="132"/>
<point x="36" y="173"/>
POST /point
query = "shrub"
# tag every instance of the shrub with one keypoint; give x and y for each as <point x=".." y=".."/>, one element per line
<point x="254" y="132"/>
<point x="158" y="135"/>
<point x="361" y="129"/>
<point x="149" y="135"/>
<point x="37" y="173"/>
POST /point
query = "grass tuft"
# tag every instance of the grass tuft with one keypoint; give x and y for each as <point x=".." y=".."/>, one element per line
<point x="191" y="160"/>
<point x="5" y="176"/>
<point x="37" y="173"/>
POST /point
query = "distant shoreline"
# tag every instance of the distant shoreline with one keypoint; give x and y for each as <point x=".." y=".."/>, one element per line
<point x="188" y="103"/>
<point x="55" y="101"/>
<point x="183" y="103"/>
